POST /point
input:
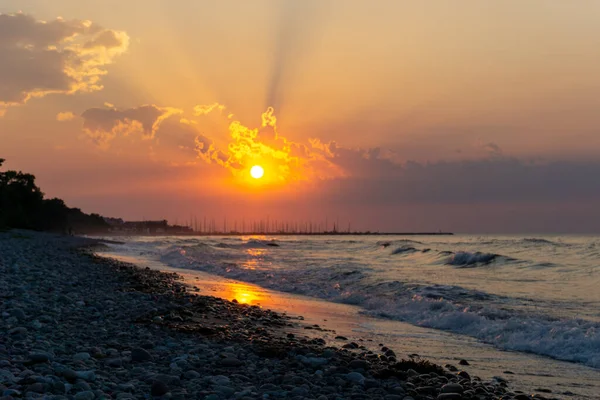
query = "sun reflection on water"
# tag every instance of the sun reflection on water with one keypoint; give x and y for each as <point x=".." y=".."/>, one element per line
<point x="244" y="294"/>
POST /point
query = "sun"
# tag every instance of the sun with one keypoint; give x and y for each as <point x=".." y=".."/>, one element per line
<point x="257" y="172"/>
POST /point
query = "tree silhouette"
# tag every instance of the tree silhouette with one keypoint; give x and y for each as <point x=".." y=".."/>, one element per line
<point x="22" y="205"/>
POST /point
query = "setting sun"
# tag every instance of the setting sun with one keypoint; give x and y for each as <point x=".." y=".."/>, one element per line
<point x="257" y="172"/>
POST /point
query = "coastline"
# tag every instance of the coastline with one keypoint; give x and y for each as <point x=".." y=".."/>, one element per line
<point x="110" y="329"/>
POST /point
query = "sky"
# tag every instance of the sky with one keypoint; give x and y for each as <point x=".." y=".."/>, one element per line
<point x="475" y="117"/>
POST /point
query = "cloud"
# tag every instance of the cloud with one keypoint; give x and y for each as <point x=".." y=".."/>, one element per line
<point x="102" y="125"/>
<point x="486" y="181"/>
<point x="283" y="159"/>
<point x="59" y="56"/>
<point x="206" y="109"/>
<point x="65" y="116"/>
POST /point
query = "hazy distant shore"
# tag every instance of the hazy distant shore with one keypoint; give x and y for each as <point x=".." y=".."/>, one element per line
<point x="84" y="327"/>
<point x="118" y="233"/>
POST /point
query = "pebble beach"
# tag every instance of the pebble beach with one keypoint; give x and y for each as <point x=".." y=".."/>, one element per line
<point x="75" y="325"/>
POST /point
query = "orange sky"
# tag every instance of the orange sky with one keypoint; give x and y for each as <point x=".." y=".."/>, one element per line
<point x="394" y="115"/>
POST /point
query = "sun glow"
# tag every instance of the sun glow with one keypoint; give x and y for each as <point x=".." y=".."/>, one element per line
<point x="257" y="172"/>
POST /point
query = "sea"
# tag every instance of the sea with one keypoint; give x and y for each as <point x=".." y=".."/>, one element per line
<point x="521" y="308"/>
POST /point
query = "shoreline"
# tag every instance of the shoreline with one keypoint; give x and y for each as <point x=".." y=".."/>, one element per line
<point x="158" y="339"/>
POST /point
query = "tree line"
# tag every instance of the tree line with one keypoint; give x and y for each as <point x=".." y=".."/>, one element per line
<point x="23" y="206"/>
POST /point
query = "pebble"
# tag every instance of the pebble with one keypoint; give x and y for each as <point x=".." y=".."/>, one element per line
<point x="81" y="356"/>
<point x="355" y="377"/>
<point x="452" y="388"/>
<point x="159" y="388"/>
<point x="140" y="355"/>
<point x="39" y="357"/>
<point x="85" y="395"/>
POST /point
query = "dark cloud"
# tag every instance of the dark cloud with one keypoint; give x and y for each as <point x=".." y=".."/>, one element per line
<point x="104" y="124"/>
<point x="495" y="180"/>
<point x="39" y="58"/>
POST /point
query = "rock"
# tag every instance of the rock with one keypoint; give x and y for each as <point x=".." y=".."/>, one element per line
<point x="85" y="395"/>
<point x="231" y="362"/>
<point x="20" y="330"/>
<point x="371" y="383"/>
<point x="18" y="314"/>
<point x="114" y="362"/>
<point x="463" y="362"/>
<point x="355" y="377"/>
<point x="140" y="355"/>
<point x="159" y="388"/>
<point x="69" y="375"/>
<point x="89" y="376"/>
<point x="225" y="390"/>
<point x="358" y="364"/>
<point x="299" y="391"/>
<point x="191" y="375"/>
<point x="452" y="388"/>
<point x="82" y="385"/>
<point x="81" y="356"/>
<point x="37" y="358"/>
<point x="10" y="393"/>
<point x="341" y="338"/>
<point x="59" y="387"/>
<point x="449" y="396"/>
<point x="220" y="380"/>
<point x="464" y="374"/>
<point x="36" y="388"/>
<point x="170" y="380"/>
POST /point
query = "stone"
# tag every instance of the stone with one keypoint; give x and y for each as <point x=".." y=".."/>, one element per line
<point x="355" y="377"/>
<point x="18" y="314"/>
<point x="159" y="388"/>
<point x="38" y="358"/>
<point x="170" y="380"/>
<point x="69" y="375"/>
<point x="358" y="364"/>
<point x="449" y="396"/>
<point x="81" y="356"/>
<point x="299" y="391"/>
<point x="231" y="362"/>
<point x="85" y="395"/>
<point x="220" y="380"/>
<point x="20" y="330"/>
<point x="371" y="383"/>
<point x="225" y="390"/>
<point x="464" y="362"/>
<point x="140" y="355"/>
<point x="464" y="374"/>
<point x="89" y="376"/>
<point x="36" y="388"/>
<point x="114" y="362"/>
<point x="191" y="374"/>
<point x="452" y="388"/>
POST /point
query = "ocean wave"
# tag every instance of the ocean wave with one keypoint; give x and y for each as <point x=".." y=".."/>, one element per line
<point x="400" y="242"/>
<point x="403" y="249"/>
<point x="468" y="259"/>
<point x="446" y="307"/>
<point x="572" y="340"/>
<point x="540" y="241"/>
